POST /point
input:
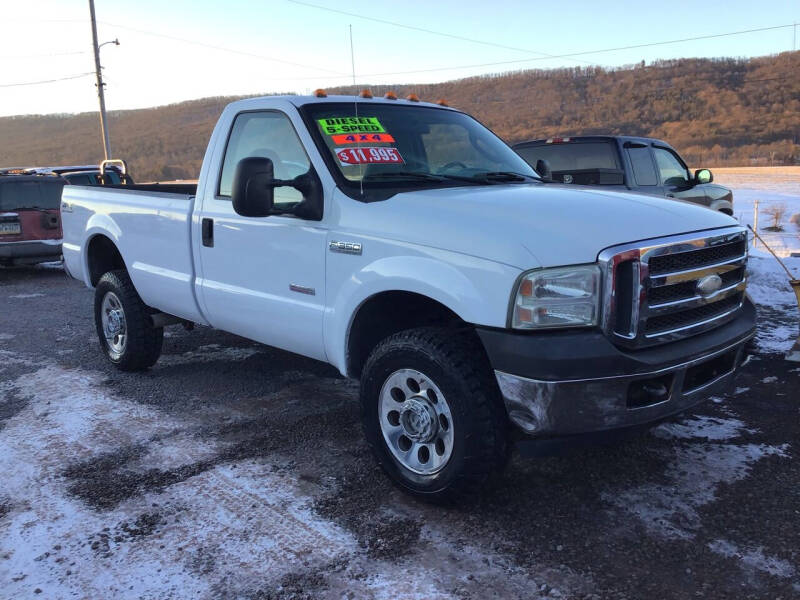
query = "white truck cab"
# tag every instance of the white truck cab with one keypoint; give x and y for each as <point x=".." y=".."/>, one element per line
<point x="408" y="246"/>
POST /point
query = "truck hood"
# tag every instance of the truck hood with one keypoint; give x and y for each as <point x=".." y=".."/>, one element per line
<point x="528" y="226"/>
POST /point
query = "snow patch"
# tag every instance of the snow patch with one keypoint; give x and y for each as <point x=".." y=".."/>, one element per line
<point x="776" y="339"/>
<point x="755" y="558"/>
<point x="767" y="282"/>
<point x="8" y="358"/>
<point x="208" y="353"/>
<point x="693" y="474"/>
<point x="26" y="296"/>
<point x="711" y="428"/>
<point x="54" y="265"/>
<point x="244" y="517"/>
<point x="768" y="286"/>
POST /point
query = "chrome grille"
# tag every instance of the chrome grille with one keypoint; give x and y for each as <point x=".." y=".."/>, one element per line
<point x="671" y="288"/>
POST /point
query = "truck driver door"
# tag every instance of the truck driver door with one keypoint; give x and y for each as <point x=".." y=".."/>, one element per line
<point x="263" y="277"/>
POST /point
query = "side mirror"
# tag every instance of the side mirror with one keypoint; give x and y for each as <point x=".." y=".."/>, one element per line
<point x="253" y="190"/>
<point x="703" y="176"/>
<point x="544" y="170"/>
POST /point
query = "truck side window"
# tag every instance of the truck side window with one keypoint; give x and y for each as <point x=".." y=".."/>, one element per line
<point x="271" y="135"/>
<point x="673" y="171"/>
<point x="643" y="170"/>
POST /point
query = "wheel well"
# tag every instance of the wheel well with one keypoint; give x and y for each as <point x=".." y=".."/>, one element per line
<point x="103" y="257"/>
<point x="387" y="313"/>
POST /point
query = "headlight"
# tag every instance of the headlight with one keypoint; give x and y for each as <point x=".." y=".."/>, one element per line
<point x="563" y="297"/>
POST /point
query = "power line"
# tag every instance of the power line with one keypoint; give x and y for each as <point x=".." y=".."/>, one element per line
<point x="423" y="30"/>
<point x="583" y="53"/>
<point x="338" y="75"/>
<point x="48" y="55"/>
<point x="46" y="80"/>
<point x="221" y="48"/>
<point x="526" y="60"/>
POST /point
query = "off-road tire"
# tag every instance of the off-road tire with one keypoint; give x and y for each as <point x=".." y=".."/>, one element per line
<point x="456" y="363"/>
<point x="143" y="344"/>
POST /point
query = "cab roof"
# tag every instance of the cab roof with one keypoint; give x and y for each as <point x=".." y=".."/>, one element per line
<point x="299" y="101"/>
<point x="645" y="141"/>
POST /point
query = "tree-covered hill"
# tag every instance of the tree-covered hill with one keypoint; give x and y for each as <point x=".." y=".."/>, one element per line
<point x="715" y="111"/>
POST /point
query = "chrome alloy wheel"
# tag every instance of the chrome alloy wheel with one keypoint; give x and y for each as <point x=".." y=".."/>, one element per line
<point x="115" y="330"/>
<point x="416" y="422"/>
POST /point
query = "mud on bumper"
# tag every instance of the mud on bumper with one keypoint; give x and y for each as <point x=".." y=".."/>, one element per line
<point x="569" y="383"/>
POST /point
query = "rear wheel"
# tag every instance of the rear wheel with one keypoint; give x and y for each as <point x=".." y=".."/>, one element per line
<point x="432" y="413"/>
<point x="123" y="323"/>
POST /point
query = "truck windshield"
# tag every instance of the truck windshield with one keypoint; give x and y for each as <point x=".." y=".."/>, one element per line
<point x="19" y="194"/>
<point x="378" y="144"/>
<point x="573" y="156"/>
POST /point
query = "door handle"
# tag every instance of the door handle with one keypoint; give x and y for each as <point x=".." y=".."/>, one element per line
<point x="670" y="195"/>
<point x="208" y="232"/>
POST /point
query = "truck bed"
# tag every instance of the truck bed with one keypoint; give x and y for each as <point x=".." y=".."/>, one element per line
<point x="151" y="222"/>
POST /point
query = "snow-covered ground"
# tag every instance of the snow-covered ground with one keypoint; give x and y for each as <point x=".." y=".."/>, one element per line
<point x="768" y="284"/>
<point x="770" y="186"/>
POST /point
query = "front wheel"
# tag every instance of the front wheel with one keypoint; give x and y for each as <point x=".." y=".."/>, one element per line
<point x="432" y="413"/>
<point x="123" y="323"/>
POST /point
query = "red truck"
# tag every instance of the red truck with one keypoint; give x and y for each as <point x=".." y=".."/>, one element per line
<point x="30" y="221"/>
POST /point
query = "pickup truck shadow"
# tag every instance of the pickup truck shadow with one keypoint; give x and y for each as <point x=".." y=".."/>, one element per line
<point x="31" y="273"/>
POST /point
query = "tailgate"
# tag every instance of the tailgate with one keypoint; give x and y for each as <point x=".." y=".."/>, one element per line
<point x="30" y="225"/>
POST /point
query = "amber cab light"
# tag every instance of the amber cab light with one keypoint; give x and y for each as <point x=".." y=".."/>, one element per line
<point x="412" y="98"/>
<point x="390" y="96"/>
<point x="365" y="94"/>
<point x="320" y="93"/>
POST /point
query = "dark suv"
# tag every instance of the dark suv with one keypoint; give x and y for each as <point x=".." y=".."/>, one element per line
<point x="645" y="165"/>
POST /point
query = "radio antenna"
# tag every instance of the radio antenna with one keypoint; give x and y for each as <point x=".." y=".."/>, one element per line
<point x="355" y="103"/>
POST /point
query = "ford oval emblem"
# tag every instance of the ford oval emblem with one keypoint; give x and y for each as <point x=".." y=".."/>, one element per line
<point x="708" y="285"/>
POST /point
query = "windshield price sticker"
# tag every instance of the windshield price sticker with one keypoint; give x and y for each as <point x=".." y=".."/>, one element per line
<point x="361" y="138"/>
<point x="369" y="156"/>
<point x="339" y="125"/>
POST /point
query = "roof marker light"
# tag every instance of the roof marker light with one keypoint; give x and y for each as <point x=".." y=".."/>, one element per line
<point x="365" y="94"/>
<point x="390" y="96"/>
<point x="442" y="102"/>
<point x="320" y="93"/>
<point x="412" y="98"/>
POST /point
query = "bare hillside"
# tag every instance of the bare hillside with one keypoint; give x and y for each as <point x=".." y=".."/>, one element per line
<point x="717" y="112"/>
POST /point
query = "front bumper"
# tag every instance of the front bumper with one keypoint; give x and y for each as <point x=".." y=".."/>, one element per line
<point x="568" y="383"/>
<point x="30" y="251"/>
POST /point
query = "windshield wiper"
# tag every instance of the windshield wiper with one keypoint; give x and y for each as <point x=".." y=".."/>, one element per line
<point x="504" y="176"/>
<point x="405" y="175"/>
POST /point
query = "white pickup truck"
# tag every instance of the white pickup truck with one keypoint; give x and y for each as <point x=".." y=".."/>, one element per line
<point x="408" y="246"/>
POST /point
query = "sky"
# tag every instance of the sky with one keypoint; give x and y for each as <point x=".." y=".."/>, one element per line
<point x="175" y="50"/>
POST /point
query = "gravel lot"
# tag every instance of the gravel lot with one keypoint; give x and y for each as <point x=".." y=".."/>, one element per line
<point x="233" y="470"/>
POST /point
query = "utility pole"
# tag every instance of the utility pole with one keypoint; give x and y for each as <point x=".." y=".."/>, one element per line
<point x="100" y="91"/>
